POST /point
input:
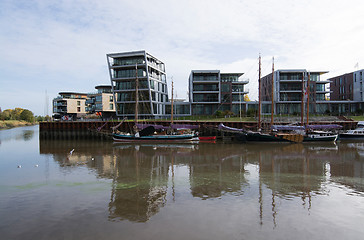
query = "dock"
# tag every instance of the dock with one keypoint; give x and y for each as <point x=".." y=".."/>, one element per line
<point x="101" y="130"/>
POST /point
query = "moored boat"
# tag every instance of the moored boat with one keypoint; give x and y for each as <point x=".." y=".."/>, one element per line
<point x="209" y="138"/>
<point x="155" y="138"/>
<point x="355" y="134"/>
<point x="154" y="133"/>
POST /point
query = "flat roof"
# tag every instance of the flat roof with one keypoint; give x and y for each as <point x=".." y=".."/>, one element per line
<point x="74" y="93"/>
<point x="103" y="86"/>
<point x="300" y="70"/>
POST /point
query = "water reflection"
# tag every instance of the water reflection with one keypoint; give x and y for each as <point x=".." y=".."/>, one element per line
<point x="143" y="176"/>
<point x="22" y="133"/>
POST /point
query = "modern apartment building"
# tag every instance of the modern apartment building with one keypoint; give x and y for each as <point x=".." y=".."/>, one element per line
<point x="347" y="92"/>
<point x="211" y="91"/>
<point x="70" y="105"/>
<point x="124" y="69"/>
<point x="290" y="87"/>
<point x="181" y="108"/>
<point x="101" y="102"/>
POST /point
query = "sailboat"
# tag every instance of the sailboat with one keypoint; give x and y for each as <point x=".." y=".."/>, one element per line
<point x="259" y="136"/>
<point x="148" y="132"/>
<point x="311" y="133"/>
<point x="314" y="133"/>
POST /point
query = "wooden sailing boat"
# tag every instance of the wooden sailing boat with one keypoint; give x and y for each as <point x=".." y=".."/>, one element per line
<point x="148" y="133"/>
<point x="312" y="135"/>
<point x="260" y="136"/>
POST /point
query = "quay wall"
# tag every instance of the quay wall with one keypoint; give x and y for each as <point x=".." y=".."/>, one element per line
<point x="102" y="130"/>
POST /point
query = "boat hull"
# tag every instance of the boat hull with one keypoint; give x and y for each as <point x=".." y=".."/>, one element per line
<point x="350" y="136"/>
<point x="155" y="138"/>
<point x="262" y="137"/>
<point x="212" y="138"/>
<point x="332" y="138"/>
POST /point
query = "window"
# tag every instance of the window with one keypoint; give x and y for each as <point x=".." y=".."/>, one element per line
<point x="78" y="109"/>
<point x="111" y="99"/>
<point x="111" y="107"/>
<point x="78" y="103"/>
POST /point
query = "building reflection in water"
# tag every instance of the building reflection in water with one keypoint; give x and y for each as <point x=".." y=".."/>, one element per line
<point x="143" y="175"/>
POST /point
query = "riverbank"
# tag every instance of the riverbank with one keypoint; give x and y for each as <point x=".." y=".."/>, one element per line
<point x="7" y="124"/>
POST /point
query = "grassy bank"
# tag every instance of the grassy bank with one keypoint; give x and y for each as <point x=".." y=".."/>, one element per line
<point x="13" y="123"/>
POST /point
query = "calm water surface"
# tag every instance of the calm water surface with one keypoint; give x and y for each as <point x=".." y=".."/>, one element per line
<point x="204" y="191"/>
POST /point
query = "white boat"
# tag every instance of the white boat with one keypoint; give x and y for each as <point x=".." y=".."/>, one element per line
<point x="356" y="134"/>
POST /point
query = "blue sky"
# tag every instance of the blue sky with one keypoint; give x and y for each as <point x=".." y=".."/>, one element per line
<point x="51" y="46"/>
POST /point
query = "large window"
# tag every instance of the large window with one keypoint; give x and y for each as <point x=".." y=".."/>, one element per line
<point x="99" y="98"/>
<point x="238" y="88"/>
<point x="205" y="87"/>
<point x="128" y="61"/>
<point x="225" y="87"/>
<point x="291" y="86"/>
<point x="129" y="108"/>
<point x="290" y="76"/>
<point x="205" y="97"/>
<point x="229" y="78"/>
<point x="320" y="87"/>
<point x="314" y="77"/>
<point x="128" y="73"/>
<point x="130" y="96"/>
<point x="205" y="78"/>
<point x="126" y="85"/>
<point x="238" y="97"/>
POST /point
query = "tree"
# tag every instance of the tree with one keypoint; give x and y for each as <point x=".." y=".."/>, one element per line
<point x="27" y="115"/>
<point x="246" y="98"/>
<point x="6" y="114"/>
<point x="15" y="114"/>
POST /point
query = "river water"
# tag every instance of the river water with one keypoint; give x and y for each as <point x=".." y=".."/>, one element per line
<point x="178" y="191"/>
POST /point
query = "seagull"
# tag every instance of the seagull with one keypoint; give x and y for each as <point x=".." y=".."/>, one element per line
<point x="70" y="154"/>
<point x="92" y="159"/>
<point x="36" y="165"/>
<point x="19" y="166"/>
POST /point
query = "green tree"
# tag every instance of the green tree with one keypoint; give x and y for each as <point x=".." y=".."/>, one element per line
<point x="6" y="114"/>
<point x="15" y="114"/>
<point x="27" y="115"/>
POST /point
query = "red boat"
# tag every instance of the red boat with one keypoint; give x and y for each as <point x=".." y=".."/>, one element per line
<point x="207" y="138"/>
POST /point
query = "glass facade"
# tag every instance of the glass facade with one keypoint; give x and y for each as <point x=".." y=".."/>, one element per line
<point x="206" y="77"/>
<point x="128" y="73"/>
<point x="128" y="61"/>
<point x="237" y="88"/>
<point x="290" y="76"/>
<point x="179" y="109"/>
<point x="290" y="86"/>
<point x="205" y="87"/>
<point x="152" y="83"/>
<point x="203" y="97"/>
<point x="229" y="77"/>
<point x="130" y="84"/>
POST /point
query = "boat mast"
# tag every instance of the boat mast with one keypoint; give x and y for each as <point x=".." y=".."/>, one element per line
<point x="272" y="108"/>
<point x="308" y="98"/>
<point x="136" y="93"/>
<point x="172" y="103"/>
<point x="259" y="89"/>
<point x="302" y="98"/>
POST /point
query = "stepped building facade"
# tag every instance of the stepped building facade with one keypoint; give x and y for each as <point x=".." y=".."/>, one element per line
<point x="124" y="69"/>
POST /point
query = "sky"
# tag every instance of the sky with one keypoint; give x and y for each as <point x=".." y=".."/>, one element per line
<point x="47" y="46"/>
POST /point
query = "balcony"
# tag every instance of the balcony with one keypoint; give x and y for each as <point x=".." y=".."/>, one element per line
<point x="241" y="81"/>
<point x="61" y="104"/>
<point x="90" y="101"/>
